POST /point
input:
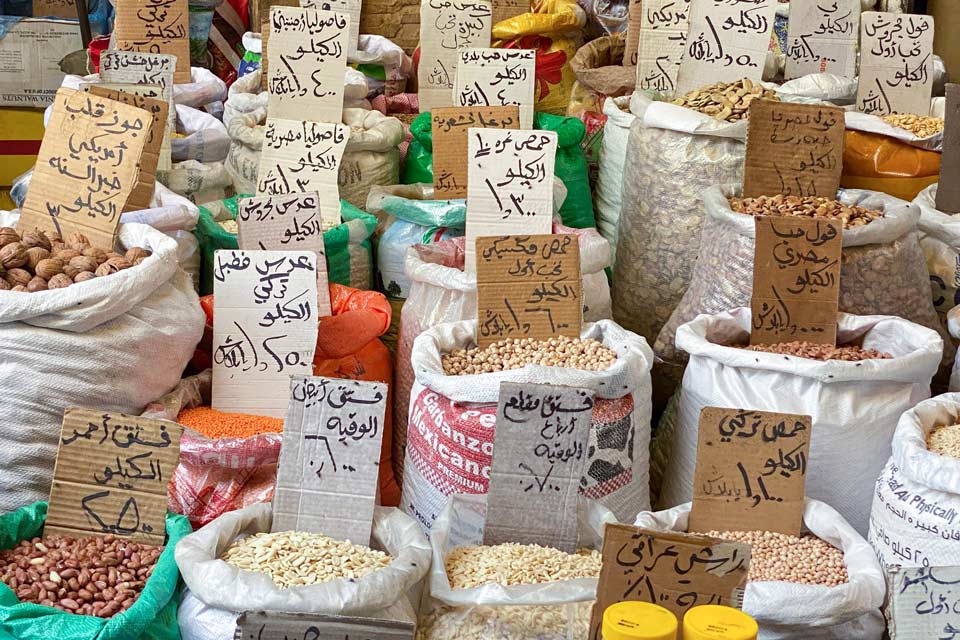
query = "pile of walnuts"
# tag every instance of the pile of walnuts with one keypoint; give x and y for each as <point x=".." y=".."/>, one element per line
<point x="40" y="260"/>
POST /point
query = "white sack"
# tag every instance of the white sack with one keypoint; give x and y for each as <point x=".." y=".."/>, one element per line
<point x="206" y="138"/>
<point x="939" y="235"/>
<point x="608" y="195"/>
<point x="953" y="324"/>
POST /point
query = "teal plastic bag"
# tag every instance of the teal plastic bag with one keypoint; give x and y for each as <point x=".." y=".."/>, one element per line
<point x="152" y="617"/>
<point x="570" y="166"/>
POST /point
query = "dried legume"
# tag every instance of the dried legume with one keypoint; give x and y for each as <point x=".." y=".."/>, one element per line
<point x="296" y="558"/>
<point x="514" y="353"/>
<point x="784" y="558"/>
<point x="510" y="564"/>
<point x="556" y="622"/>
<point x="219" y="424"/>
<point x="814" y="351"/>
<point x="945" y="440"/>
<point x="806" y="206"/>
<point x="87" y="576"/>
<point x="920" y="126"/>
<point x="726" y="101"/>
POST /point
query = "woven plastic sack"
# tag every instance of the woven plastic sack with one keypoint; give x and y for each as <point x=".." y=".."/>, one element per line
<point x="953" y="325"/>
<point x="914" y="520"/>
<point x="440" y="291"/>
<point x="881" y="163"/>
<point x="200" y="182"/>
<point x="788" y="610"/>
<point x="201" y="137"/>
<point x="883" y="270"/>
<point x="349" y="254"/>
<point x="557" y="610"/>
<point x="570" y="165"/>
<point x="113" y="343"/>
<point x="608" y="193"/>
<point x="448" y="411"/>
<point x="203" y="89"/>
<point x="152" y="617"/>
<point x="939" y="234"/>
<point x="598" y="67"/>
<point x="854" y="405"/>
<point x="227" y="591"/>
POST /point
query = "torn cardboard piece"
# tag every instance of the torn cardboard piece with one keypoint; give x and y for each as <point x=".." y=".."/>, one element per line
<point x="450" y="127"/>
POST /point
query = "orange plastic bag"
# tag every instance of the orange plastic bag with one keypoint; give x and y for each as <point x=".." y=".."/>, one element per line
<point x="878" y="163"/>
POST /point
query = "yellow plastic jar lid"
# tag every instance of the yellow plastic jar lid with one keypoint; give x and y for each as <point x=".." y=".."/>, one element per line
<point x="638" y="621"/>
<point x="713" y="622"/>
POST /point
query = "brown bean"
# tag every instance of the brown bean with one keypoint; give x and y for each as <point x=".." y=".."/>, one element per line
<point x="71" y="604"/>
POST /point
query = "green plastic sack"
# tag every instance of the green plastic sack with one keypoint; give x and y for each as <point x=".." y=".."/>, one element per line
<point x="570" y="167"/>
<point x="152" y="617"/>
<point x="348" y="248"/>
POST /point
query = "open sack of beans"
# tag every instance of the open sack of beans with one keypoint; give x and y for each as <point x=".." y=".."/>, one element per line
<point x="939" y="234"/>
<point x="112" y="335"/>
<point x="234" y="564"/>
<point x="882" y="368"/>
<point x="441" y="291"/>
<point x="915" y="520"/>
<point x="509" y="591"/>
<point x="883" y="270"/>
<point x="85" y="588"/>
<point x="453" y="407"/>
<point x="824" y="585"/>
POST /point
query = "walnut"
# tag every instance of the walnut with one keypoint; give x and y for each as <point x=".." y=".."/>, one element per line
<point x="18" y="276"/>
<point x="48" y="268"/>
<point x="8" y="235"/>
<point x="71" y="271"/>
<point x="53" y="236"/>
<point x="97" y="254"/>
<point x="119" y="263"/>
<point x="66" y="254"/>
<point x="136" y="255"/>
<point x="35" y="255"/>
<point x="19" y="288"/>
<point x="56" y="247"/>
<point x="4" y="285"/>
<point x="83" y="276"/>
<point x="13" y="255"/>
<point x="35" y="239"/>
<point x="37" y="284"/>
<point x="84" y="263"/>
<point x="59" y="281"/>
<point x="77" y="241"/>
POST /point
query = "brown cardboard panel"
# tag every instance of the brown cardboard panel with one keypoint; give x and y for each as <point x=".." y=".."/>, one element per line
<point x="55" y="8"/>
<point x="948" y="191"/>
<point x="271" y="625"/>
<point x="155" y="26"/>
<point x="634" y="24"/>
<point x="449" y="126"/>
<point x="506" y="9"/>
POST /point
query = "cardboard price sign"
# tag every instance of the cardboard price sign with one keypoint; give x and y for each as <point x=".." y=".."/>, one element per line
<point x="751" y="469"/>
<point x="725" y="42"/>
<point x="528" y="287"/>
<point x="330" y="458"/>
<point x="264" y="625"/>
<point x="152" y="92"/>
<point x="948" y="191"/>
<point x="539" y="454"/>
<point x="450" y="127"/>
<point x="111" y="476"/>
<point x="793" y="149"/>
<point x="55" y="8"/>
<point x="896" y="63"/>
<point x="822" y="38"/>
<point x="496" y="77"/>
<point x="349" y="8"/>
<point x="509" y="185"/>
<point x="924" y="603"/>
<point x="662" y="41"/>
<point x="264" y="327"/>
<point x="674" y="570"/>
<point x="87" y="167"/>
<point x="445" y="28"/>
<point x="286" y="223"/>
<point x="155" y="26"/>
<point x="506" y="9"/>
<point x="632" y="43"/>
<point x="796" y="280"/>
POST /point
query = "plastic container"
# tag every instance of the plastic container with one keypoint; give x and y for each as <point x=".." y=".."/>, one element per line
<point x="714" y="622"/>
<point x="638" y="621"/>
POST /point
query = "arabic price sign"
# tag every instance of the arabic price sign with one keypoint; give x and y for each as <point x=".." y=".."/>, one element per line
<point x="445" y="28"/>
<point x="330" y="457"/>
<point x="300" y="156"/>
<point x="111" y="476"/>
<point x="896" y="63"/>
<point x="924" y="603"/>
<point x="86" y="168"/>
<point x="822" y="38"/>
<point x="948" y="191"/>
<point x="270" y="625"/>
<point x="751" y="469"/>
<point x="150" y="92"/>
<point x="307" y="49"/>
<point x="289" y="222"/>
<point x="264" y="327"/>
<point x="155" y="26"/>
<point x="496" y="77"/>
<point x="634" y="20"/>
<point x="727" y="41"/>
<point x="662" y="41"/>
<point x="677" y="571"/>
<point x="539" y="455"/>
<point x="55" y="8"/>
<point x="506" y="9"/>
<point x="796" y="280"/>
<point x="509" y="185"/>
<point x="153" y="147"/>
<point x="793" y="149"/>
<point x="349" y="8"/>
<point x="449" y="126"/>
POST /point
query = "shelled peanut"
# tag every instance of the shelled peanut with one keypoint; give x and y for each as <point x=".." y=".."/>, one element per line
<point x="805" y="206"/>
<point x="728" y="101"/>
<point x="920" y="126"/>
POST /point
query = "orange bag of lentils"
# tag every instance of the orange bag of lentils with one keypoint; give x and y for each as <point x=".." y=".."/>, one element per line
<point x="879" y="163"/>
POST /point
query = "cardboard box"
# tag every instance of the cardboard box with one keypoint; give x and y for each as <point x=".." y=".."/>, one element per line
<point x="21" y="131"/>
<point x="30" y="54"/>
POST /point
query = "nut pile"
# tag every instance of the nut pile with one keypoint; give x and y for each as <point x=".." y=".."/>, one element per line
<point x="295" y="558"/>
<point x="729" y="101"/>
<point x="39" y="261"/>
<point x="920" y="126"/>
<point x="87" y="576"/>
<point x="784" y="558"/>
<point x="814" y="351"/>
<point x="510" y="564"/>
<point x="515" y="353"/>
<point x="945" y="440"/>
<point x="805" y="206"/>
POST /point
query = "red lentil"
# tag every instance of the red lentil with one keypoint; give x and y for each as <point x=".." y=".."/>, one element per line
<point x="219" y="424"/>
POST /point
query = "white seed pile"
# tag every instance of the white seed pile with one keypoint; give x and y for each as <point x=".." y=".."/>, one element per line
<point x="515" y="353"/>
<point x="783" y="558"/>
<point x="556" y="622"/>
<point x="295" y="558"/>
<point x="509" y="564"/>
<point x="945" y="440"/>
